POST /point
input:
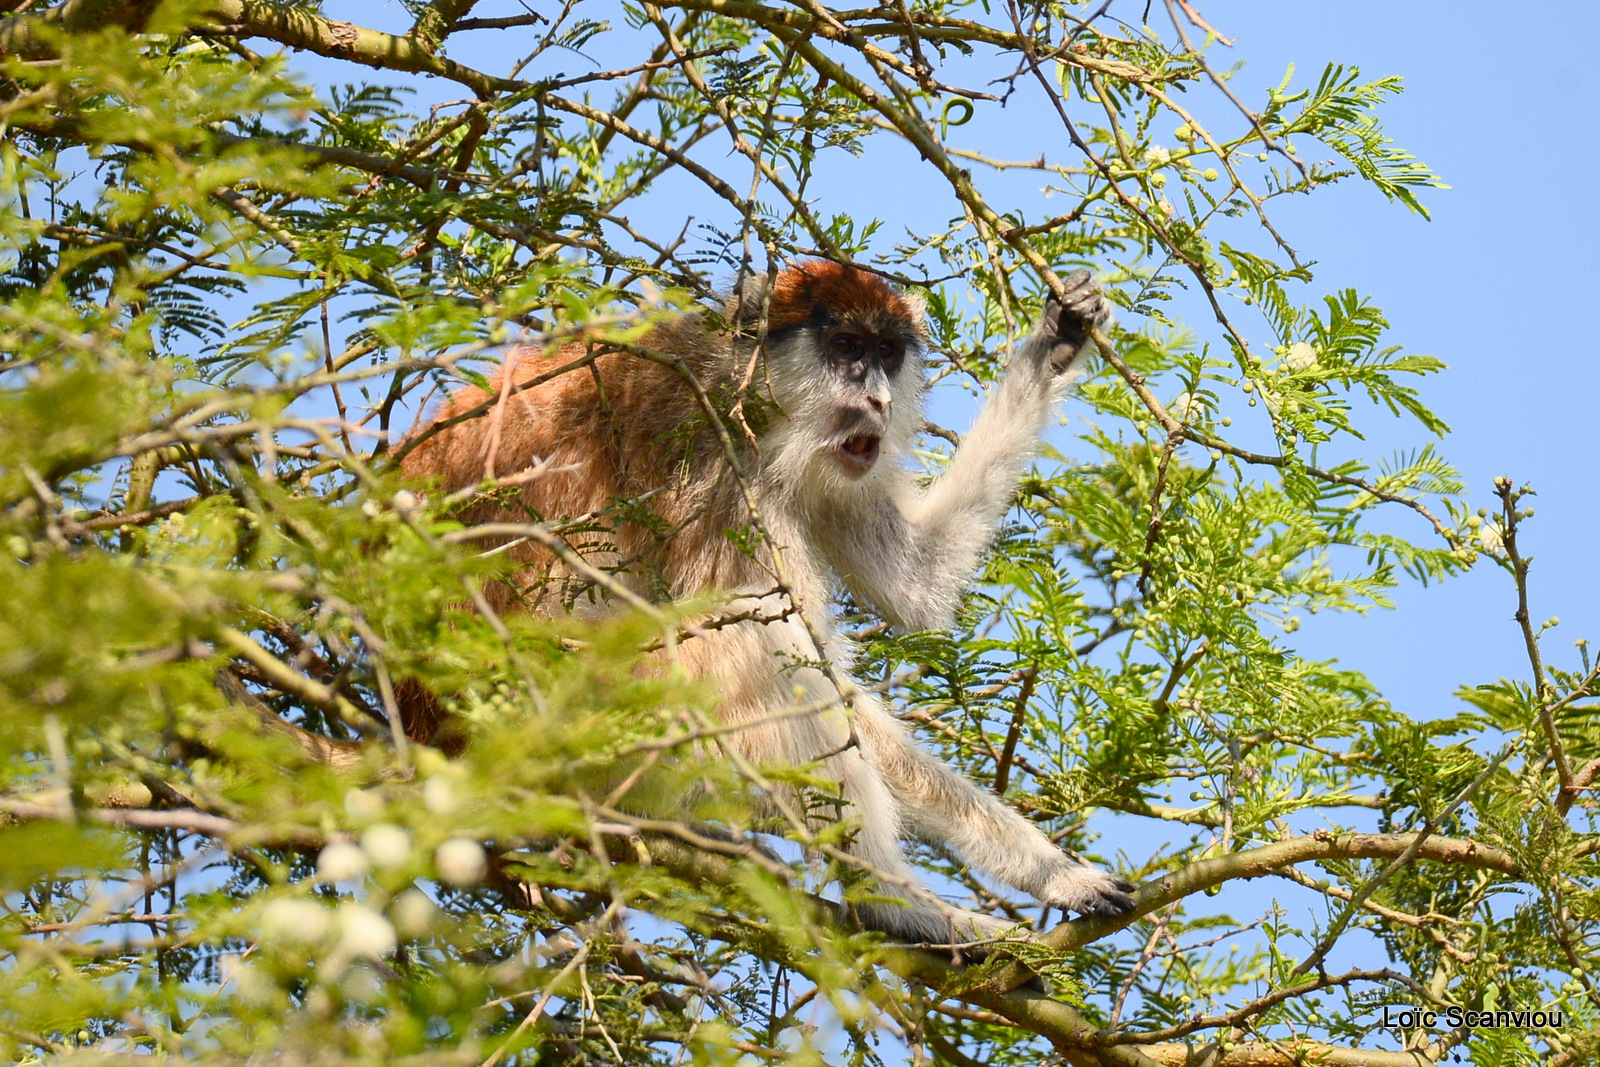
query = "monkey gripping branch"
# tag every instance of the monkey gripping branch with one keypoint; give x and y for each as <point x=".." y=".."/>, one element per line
<point x="470" y="538"/>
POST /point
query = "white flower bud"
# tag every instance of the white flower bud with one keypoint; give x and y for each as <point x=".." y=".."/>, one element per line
<point x="362" y="986"/>
<point x="1186" y="408"/>
<point x="386" y="844"/>
<point x="341" y="861"/>
<point x="1301" y="357"/>
<point x="290" y="919"/>
<point x="461" y="861"/>
<point x="362" y="806"/>
<point x="439" y="795"/>
<point x="363" y="932"/>
<point x="414" y="913"/>
<point x="404" y="500"/>
<point x="254" y="986"/>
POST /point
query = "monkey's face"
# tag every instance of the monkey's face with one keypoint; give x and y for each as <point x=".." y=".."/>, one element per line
<point x="844" y="350"/>
<point x="851" y="391"/>
<point x="861" y="366"/>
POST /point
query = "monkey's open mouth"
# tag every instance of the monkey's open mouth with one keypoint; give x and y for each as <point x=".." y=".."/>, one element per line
<point x="860" y="452"/>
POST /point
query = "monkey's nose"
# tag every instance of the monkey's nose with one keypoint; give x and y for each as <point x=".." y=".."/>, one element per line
<point x="879" y="404"/>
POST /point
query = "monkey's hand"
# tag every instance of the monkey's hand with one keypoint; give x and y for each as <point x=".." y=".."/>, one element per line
<point x="1063" y="330"/>
<point x="1076" y="886"/>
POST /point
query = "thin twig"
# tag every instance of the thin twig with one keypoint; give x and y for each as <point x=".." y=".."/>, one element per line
<point x="1337" y="927"/>
<point x="1509" y="499"/>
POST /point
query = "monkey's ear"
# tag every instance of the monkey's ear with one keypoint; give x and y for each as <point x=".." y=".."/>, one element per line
<point x="916" y="309"/>
<point x="742" y="308"/>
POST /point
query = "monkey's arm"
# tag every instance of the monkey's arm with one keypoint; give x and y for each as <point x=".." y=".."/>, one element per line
<point x="913" y="559"/>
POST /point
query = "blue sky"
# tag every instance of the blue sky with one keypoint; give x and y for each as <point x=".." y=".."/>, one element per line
<point x="1498" y="285"/>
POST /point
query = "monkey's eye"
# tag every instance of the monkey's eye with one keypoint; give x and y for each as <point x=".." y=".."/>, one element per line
<point x="890" y="354"/>
<point x="847" y="345"/>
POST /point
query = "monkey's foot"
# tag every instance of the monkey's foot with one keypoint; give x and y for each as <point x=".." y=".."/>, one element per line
<point x="1088" y="891"/>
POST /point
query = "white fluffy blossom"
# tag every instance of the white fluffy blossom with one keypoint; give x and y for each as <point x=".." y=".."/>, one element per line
<point x="1157" y="154"/>
<point x="363" y="932"/>
<point x="288" y="919"/>
<point x="1301" y="356"/>
<point x="1491" y="540"/>
<point x="461" y="861"/>
<point x="1187" y="407"/>
<point x="413" y="912"/>
<point x="363" y="805"/>
<point x="340" y="862"/>
<point x="439" y="795"/>
<point x="253" y="985"/>
<point x="386" y="844"/>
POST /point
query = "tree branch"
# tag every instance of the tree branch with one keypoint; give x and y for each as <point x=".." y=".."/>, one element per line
<point x="32" y="36"/>
<point x="300" y="29"/>
<point x="1253" y="863"/>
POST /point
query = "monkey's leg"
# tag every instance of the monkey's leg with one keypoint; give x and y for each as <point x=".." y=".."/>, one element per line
<point x="946" y="806"/>
<point x="757" y="707"/>
<point x="915" y="913"/>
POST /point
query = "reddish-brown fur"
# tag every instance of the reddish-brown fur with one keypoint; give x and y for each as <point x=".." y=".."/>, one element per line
<point x="611" y="431"/>
<point x="848" y="293"/>
<point x="622" y="428"/>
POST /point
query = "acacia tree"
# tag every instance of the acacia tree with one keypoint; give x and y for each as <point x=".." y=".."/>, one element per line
<point x="231" y="281"/>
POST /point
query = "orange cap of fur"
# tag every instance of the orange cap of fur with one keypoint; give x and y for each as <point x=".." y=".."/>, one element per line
<point x="820" y="293"/>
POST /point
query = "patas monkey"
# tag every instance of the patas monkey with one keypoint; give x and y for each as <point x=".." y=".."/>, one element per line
<point x="843" y="388"/>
